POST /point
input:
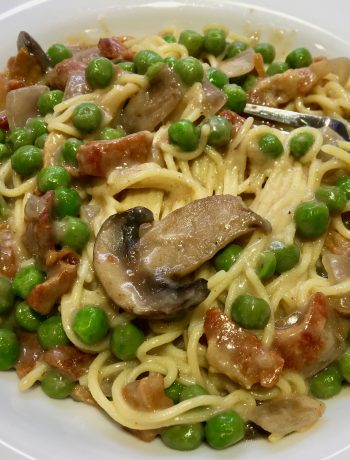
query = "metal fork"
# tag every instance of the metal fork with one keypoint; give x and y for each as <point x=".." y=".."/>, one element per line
<point x="287" y="117"/>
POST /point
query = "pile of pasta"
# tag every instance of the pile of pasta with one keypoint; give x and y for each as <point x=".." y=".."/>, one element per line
<point x="271" y="187"/>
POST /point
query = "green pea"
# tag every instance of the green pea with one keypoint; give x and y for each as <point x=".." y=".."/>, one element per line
<point x="26" y="279"/>
<point x="287" y="256"/>
<point x="191" y="391"/>
<point x="40" y="141"/>
<point x="87" y="117"/>
<point x="220" y="131"/>
<point x="5" y="152"/>
<point x="48" y="100"/>
<point x="300" y="144"/>
<point x="169" y="38"/>
<point x="190" y="70"/>
<point x="111" y="133"/>
<point x="2" y="136"/>
<point x="183" y="437"/>
<point x="69" y="150"/>
<point x="192" y="40"/>
<point x="19" y="137"/>
<point x="58" y="52"/>
<point x="51" y="177"/>
<point x="217" y="77"/>
<point x="267" y="265"/>
<point x="267" y="52"/>
<point x="67" y="202"/>
<point x="74" y="233"/>
<point x="55" y="385"/>
<point x="170" y="61"/>
<point x="91" y="324"/>
<point x="125" y="340"/>
<point x="9" y="349"/>
<point x="344" y="184"/>
<point x="27" y="160"/>
<point x="184" y="134"/>
<point x="7" y="295"/>
<point x="311" y="218"/>
<point x="250" y="312"/>
<point x="214" y="41"/>
<point x="270" y="145"/>
<point x="249" y="83"/>
<point x="51" y="333"/>
<point x="224" y="429"/>
<point x="236" y="97"/>
<point x="174" y="391"/>
<point x="334" y="198"/>
<point x="37" y="126"/>
<point x="27" y="318"/>
<point x="144" y="59"/>
<point x="326" y="383"/>
<point x="344" y="365"/>
<point x="277" y="67"/>
<point x="235" y="48"/>
<point x="300" y="57"/>
<point x="99" y="72"/>
<point x="128" y="66"/>
<point x="225" y="258"/>
<point x="154" y="69"/>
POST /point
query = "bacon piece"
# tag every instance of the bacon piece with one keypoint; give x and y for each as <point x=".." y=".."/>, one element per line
<point x="81" y="393"/>
<point x="8" y="264"/>
<point x="38" y="237"/>
<point x="259" y="65"/>
<point x="281" y="88"/>
<point x="98" y="158"/>
<point x="285" y="415"/>
<point x="336" y="243"/>
<point x="312" y="343"/>
<point x="69" y="360"/>
<point x="24" y="67"/>
<point x="147" y="394"/>
<point x="239" y="354"/>
<point x="236" y="120"/>
<point x="113" y="48"/>
<point x="60" y="74"/>
<point x="61" y="277"/>
<point x="4" y="124"/>
<point x="31" y="352"/>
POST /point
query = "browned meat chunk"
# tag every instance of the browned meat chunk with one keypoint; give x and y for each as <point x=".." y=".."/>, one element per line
<point x="147" y="394"/>
<point x="239" y="354"/>
<point x="60" y="74"/>
<point x="24" y="67"/>
<point x="98" y="158"/>
<point x="69" y="360"/>
<point x="113" y="48"/>
<point x="81" y="393"/>
<point x="236" y="120"/>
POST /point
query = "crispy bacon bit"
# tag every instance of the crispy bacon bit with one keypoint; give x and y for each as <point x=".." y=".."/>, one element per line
<point x="60" y="74"/>
<point x="337" y="244"/>
<point x="147" y="394"/>
<point x="81" y="393"/>
<point x="113" y="48"/>
<point x="281" y="88"/>
<point x="239" y="354"/>
<point x="61" y="278"/>
<point x="24" y="67"/>
<point x="38" y="237"/>
<point x="313" y="342"/>
<point x="8" y="264"/>
<point x="236" y="120"/>
<point x="98" y="158"/>
<point x="31" y="352"/>
<point x="285" y="415"/>
<point x="69" y="360"/>
<point x="259" y="65"/>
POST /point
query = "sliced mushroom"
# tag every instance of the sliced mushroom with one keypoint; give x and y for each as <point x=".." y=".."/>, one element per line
<point x="213" y="99"/>
<point x="21" y="104"/>
<point x="153" y="104"/>
<point x="24" y="40"/>
<point x="139" y="274"/>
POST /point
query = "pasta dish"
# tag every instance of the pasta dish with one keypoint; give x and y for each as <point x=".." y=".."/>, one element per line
<point x="164" y="256"/>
